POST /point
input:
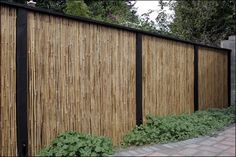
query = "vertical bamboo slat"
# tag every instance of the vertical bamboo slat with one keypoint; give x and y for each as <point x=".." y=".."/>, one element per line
<point x="168" y="77"/>
<point x="213" y="83"/>
<point x="81" y="77"/>
<point x="7" y="81"/>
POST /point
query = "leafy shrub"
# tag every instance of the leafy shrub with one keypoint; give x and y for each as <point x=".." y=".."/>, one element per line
<point x="181" y="127"/>
<point x="76" y="144"/>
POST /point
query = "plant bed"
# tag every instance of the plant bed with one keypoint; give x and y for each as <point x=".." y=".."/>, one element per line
<point x="180" y="127"/>
<point x="76" y="144"/>
<point x="157" y="130"/>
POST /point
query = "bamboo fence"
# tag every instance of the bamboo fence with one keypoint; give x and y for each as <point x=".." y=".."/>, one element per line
<point x="83" y="76"/>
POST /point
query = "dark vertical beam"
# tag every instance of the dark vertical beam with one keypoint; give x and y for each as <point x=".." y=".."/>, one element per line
<point x="196" y="105"/>
<point x="21" y="82"/>
<point x="139" y="112"/>
<point x="229" y="77"/>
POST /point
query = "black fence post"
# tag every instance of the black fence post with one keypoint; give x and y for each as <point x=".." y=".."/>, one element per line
<point x="229" y="77"/>
<point x="139" y="114"/>
<point x="196" y="105"/>
<point x="21" y="82"/>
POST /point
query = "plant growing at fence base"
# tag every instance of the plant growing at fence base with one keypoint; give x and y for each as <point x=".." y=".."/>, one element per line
<point x="175" y="128"/>
<point x="156" y="130"/>
<point x="76" y="144"/>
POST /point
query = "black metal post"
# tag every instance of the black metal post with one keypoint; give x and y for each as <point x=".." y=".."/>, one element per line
<point x="139" y="114"/>
<point x="229" y="77"/>
<point x="196" y="105"/>
<point x="21" y="82"/>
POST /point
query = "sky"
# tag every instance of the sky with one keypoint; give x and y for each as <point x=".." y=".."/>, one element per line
<point x="145" y="6"/>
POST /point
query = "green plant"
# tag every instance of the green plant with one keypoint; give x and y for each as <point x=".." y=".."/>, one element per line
<point x="76" y="144"/>
<point x="181" y="127"/>
<point x="77" y="8"/>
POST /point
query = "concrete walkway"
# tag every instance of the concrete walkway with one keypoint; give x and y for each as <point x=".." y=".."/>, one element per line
<point x="221" y="144"/>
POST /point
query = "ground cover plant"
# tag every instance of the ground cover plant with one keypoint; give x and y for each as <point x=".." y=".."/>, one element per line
<point x="156" y="130"/>
<point x="76" y="144"/>
<point x="180" y="127"/>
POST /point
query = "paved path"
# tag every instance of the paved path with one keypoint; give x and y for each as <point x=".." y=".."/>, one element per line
<point x="221" y="144"/>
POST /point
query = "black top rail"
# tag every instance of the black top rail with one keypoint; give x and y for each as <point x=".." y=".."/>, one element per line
<point x="87" y="20"/>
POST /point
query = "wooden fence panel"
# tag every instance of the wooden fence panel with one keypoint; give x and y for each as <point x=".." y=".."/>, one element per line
<point x="81" y="77"/>
<point x="213" y="82"/>
<point x="7" y="81"/>
<point x="168" y="77"/>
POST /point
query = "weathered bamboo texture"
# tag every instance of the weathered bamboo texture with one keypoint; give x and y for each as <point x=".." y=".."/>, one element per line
<point x="81" y="77"/>
<point x="168" y="77"/>
<point x="7" y="81"/>
<point x="213" y="82"/>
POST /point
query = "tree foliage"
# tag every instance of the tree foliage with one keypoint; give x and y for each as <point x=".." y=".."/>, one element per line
<point x="207" y="22"/>
<point x="55" y="5"/>
<point x="202" y="21"/>
<point x="118" y="12"/>
<point x="75" y="7"/>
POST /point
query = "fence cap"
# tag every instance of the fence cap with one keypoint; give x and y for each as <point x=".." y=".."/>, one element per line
<point x="87" y="20"/>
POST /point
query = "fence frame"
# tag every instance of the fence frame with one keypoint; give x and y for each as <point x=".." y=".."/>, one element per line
<point x="196" y="73"/>
<point x="21" y="81"/>
<point x="229" y="76"/>
<point x="139" y="98"/>
<point x="21" y="66"/>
